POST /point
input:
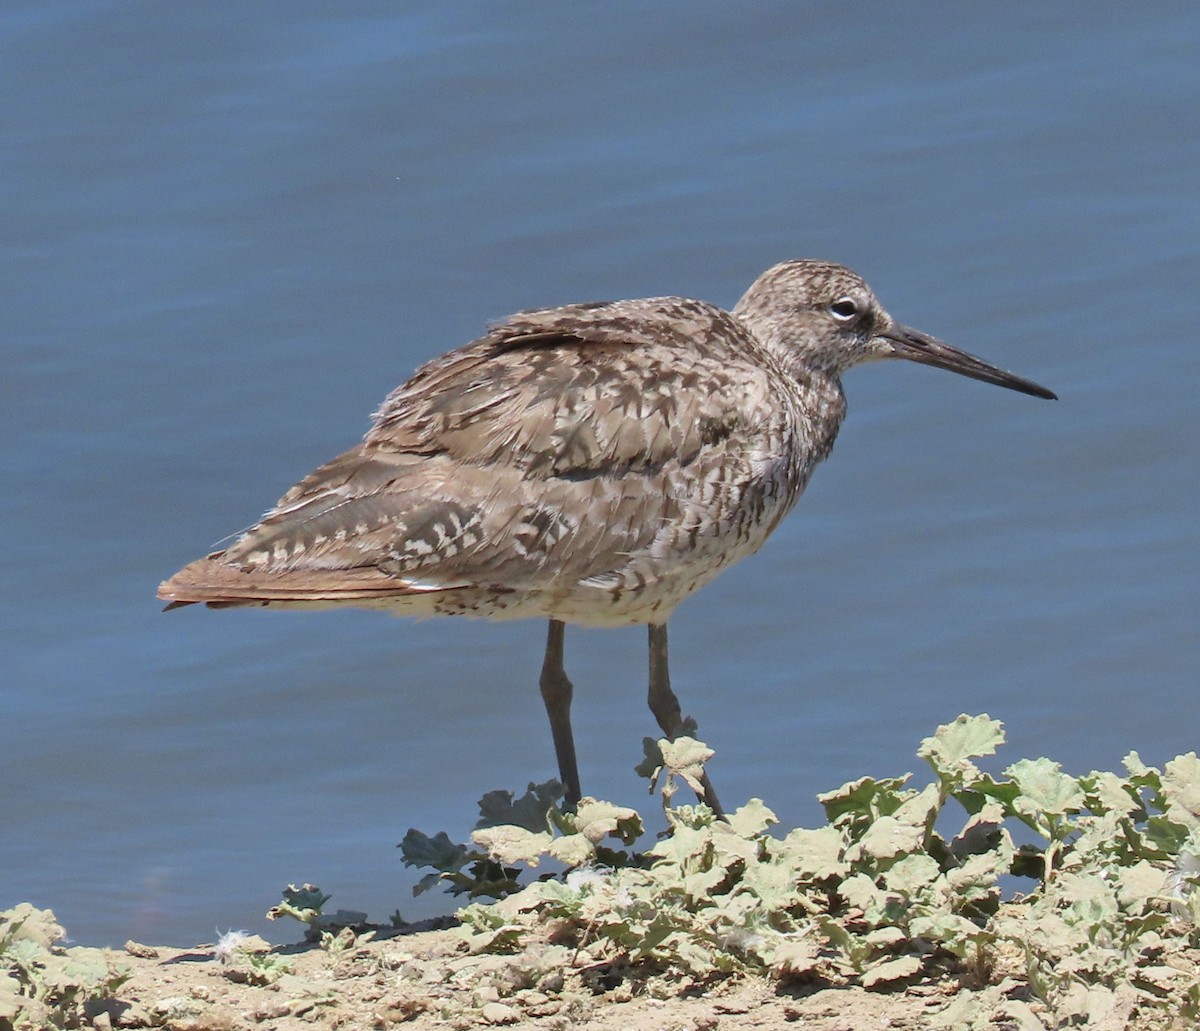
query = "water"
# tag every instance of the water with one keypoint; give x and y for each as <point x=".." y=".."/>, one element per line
<point x="229" y="234"/>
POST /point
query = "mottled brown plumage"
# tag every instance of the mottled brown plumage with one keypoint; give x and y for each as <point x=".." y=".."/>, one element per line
<point x="593" y="464"/>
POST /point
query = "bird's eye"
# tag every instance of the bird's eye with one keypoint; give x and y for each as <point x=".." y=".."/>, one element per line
<point x="844" y="308"/>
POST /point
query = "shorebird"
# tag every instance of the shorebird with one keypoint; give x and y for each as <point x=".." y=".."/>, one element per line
<point x="592" y="464"/>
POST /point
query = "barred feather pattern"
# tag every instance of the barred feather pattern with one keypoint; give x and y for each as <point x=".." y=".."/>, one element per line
<point x="593" y="463"/>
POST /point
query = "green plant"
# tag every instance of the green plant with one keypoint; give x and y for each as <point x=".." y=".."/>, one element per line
<point x="335" y="931"/>
<point x="303" y="904"/>
<point x="520" y="831"/>
<point x="42" y="984"/>
<point x="260" y="968"/>
<point x="895" y="887"/>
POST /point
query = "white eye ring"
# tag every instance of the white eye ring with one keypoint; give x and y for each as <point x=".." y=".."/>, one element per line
<point x="844" y="309"/>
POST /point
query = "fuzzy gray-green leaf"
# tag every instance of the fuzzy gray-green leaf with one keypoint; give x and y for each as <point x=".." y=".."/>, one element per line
<point x="752" y="819"/>
<point x="438" y="852"/>
<point x="891" y="970"/>
<point x="571" y="850"/>
<point x="814" y="853"/>
<point x="864" y="799"/>
<point x="685" y="757"/>
<point x="887" y="837"/>
<point x="511" y="844"/>
<point x="598" y="820"/>
<point x="1181" y="788"/>
<point x="1045" y="788"/>
<point x="912" y="873"/>
<point x="531" y="811"/>
<point x="954" y="745"/>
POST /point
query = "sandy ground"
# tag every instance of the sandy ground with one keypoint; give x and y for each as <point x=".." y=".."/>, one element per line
<point x="427" y="979"/>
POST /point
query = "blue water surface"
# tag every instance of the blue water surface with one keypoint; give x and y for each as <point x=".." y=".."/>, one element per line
<point x="229" y="230"/>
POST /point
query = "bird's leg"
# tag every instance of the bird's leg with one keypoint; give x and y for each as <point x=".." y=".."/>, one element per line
<point x="665" y="705"/>
<point x="556" y="693"/>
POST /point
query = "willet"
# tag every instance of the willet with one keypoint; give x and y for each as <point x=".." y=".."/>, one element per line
<point x="592" y="464"/>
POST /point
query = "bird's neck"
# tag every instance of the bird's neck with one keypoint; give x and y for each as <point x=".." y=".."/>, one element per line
<point x="810" y="378"/>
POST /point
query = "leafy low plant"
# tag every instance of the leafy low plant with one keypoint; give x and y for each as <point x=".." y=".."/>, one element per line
<point x="335" y="931"/>
<point x="520" y="831"/>
<point x="42" y="984"/>
<point x="895" y="887"/>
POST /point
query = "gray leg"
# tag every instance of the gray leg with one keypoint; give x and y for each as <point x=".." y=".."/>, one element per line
<point x="665" y="705"/>
<point x="556" y="693"/>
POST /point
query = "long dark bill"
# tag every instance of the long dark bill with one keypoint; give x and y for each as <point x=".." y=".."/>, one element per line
<point x="920" y="347"/>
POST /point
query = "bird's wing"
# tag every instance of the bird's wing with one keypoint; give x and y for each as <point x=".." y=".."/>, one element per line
<point x="548" y="451"/>
<point x="581" y="391"/>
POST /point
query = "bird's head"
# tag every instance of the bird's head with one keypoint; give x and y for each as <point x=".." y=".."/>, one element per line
<point x="822" y="317"/>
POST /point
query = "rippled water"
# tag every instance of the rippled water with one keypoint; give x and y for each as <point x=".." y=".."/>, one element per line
<point x="227" y="237"/>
